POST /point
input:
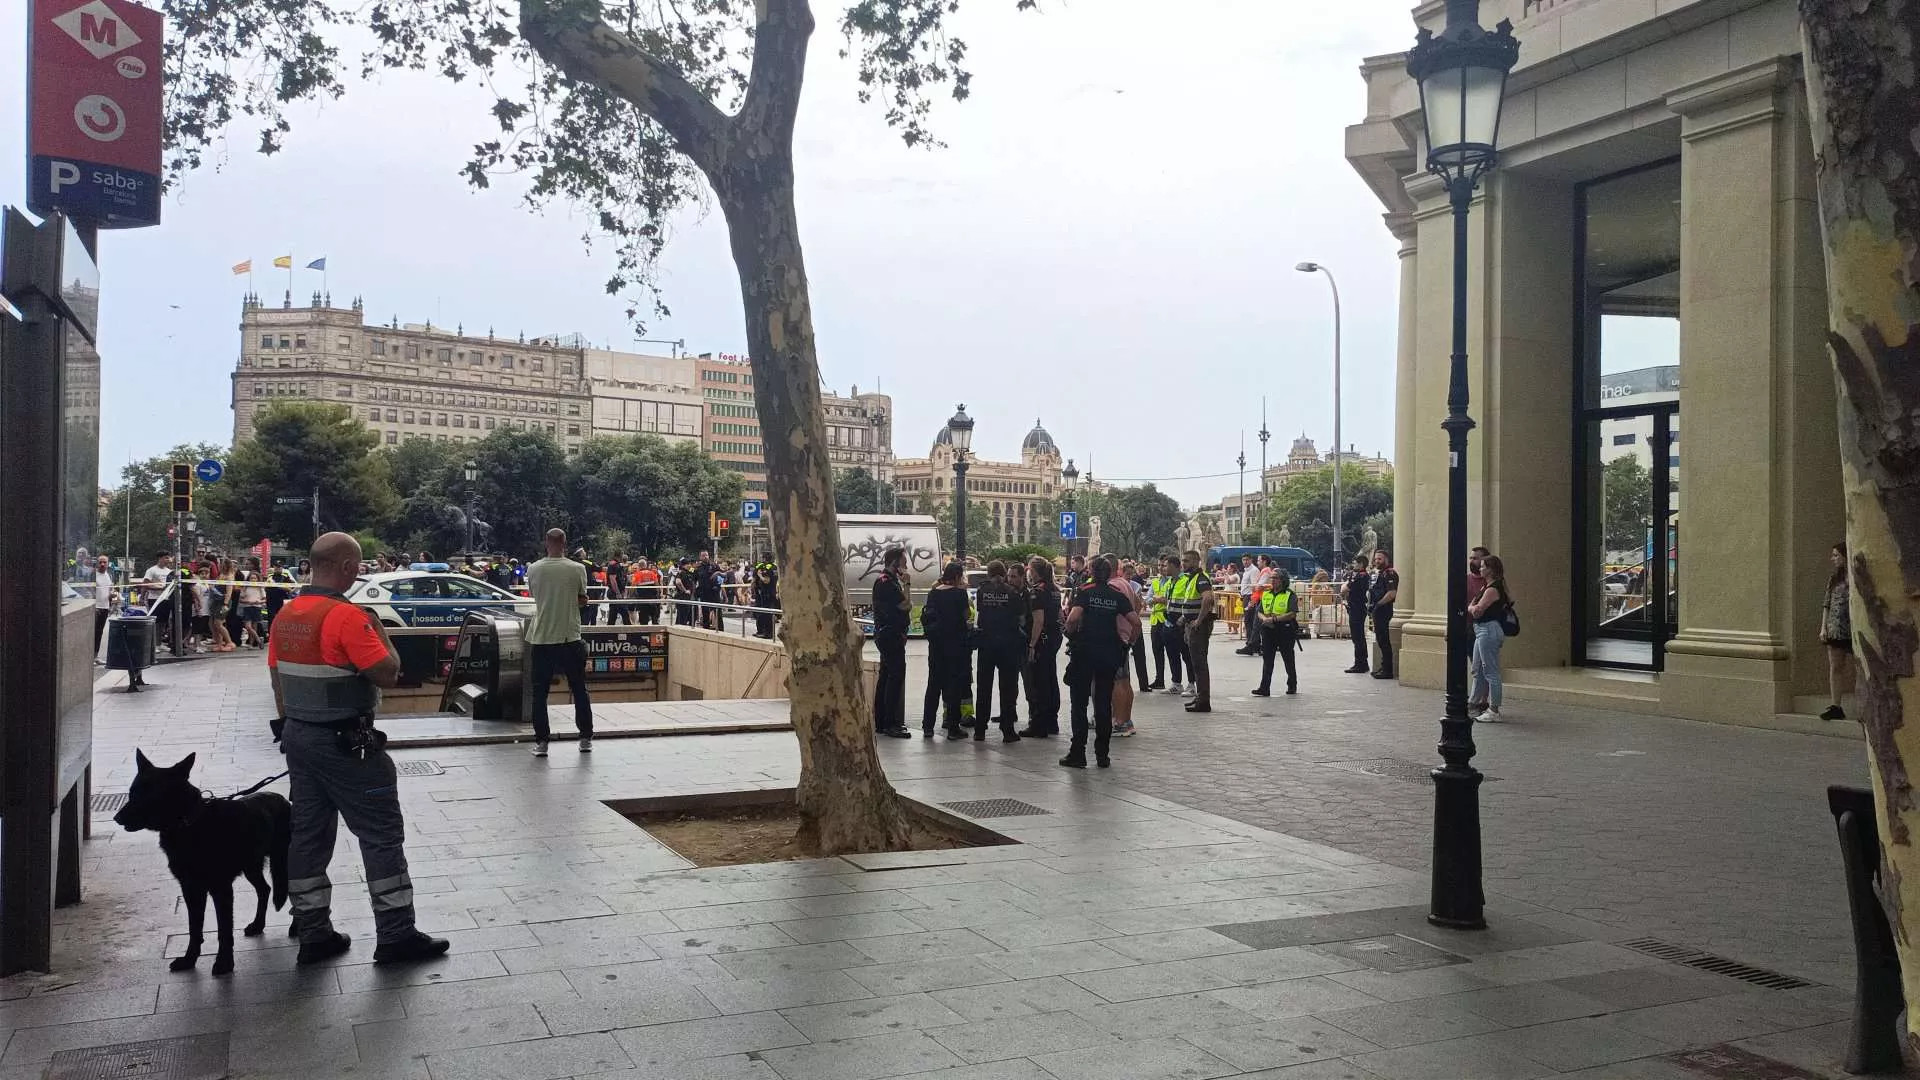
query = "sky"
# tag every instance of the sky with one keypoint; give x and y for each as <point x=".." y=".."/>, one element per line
<point x="1123" y="197"/>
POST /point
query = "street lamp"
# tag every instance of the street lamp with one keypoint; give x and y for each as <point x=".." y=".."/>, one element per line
<point x="1071" y="476"/>
<point x="960" y="427"/>
<point x="1242" y="462"/>
<point x="472" y="473"/>
<point x="1264" y="436"/>
<point x="878" y="418"/>
<point x="1462" y="73"/>
<point x="1339" y="549"/>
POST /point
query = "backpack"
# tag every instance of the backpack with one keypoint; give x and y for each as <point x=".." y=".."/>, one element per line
<point x="1510" y="621"/>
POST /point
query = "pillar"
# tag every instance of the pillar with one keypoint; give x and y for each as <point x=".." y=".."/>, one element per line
<point x="1406" y="521"/>
<point x="1759" y="492"/>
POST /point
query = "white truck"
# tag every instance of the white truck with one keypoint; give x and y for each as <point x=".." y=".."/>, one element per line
<point x="864" y="542"/>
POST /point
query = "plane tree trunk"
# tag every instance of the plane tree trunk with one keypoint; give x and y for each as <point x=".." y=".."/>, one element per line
<point x="1863" y="90"/>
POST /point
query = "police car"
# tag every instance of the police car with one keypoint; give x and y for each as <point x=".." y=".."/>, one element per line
<point x="414" y="598"/>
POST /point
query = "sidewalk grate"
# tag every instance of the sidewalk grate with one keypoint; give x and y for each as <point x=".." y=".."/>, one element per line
<point x="107" y="804"/>
<point x="1719" y="965"/>
<point x="419" y="768"/>
<point x="993" y="808"/>
<point x="195" y="1057"/>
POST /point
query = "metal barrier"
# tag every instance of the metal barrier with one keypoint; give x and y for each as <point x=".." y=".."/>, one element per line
<point x="1878" y="996"/>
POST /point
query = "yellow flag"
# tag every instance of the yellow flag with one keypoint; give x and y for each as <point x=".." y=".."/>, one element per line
<point x="283" y="262"/>
<point x="243" y="267"/>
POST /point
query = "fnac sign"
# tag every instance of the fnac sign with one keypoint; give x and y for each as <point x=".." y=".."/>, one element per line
<point x="94" y="111"/>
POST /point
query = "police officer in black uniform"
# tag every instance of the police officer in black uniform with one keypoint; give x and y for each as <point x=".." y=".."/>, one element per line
<point x="766" y="597"/>
<point x="892" y="609"/>
<point x="1358" y="584"/>
<point x="1003" y="651"/>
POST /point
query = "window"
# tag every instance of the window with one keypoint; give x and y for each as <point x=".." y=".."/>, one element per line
<point x="506" y="359"/>
<point x="379" y="347"/>
<point x="573" y="429"/>
<point x="299" y="341"/>
<point x="345" y="342"/>
<point x="539" y="363"/>
<point x="566" y="367"/>
<point x="474" y="359"/>
<point x="489" y="423"/>
<point x="473" y="421"/>
<point x="258" y="390"/>
<point x="459" y="421"/>
<point x="381" y="393"/>
<point x="373" y="413"/>
<point x="344" y="390"/>
<point x="1624" y="440"/>
<point x="266" y="341"/>
<point x="284" y="343"/>
<point x="440" y="419"/>
<point x="446" y="355"/>
<point x="573" y="408"/>
<point x="393" y="416"/>
<point x="413" y="353"/>
<point x="392" y="437"/>
<point x="407" y="417"/>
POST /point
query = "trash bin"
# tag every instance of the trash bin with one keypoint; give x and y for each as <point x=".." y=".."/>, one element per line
<point x="130" y="642"/>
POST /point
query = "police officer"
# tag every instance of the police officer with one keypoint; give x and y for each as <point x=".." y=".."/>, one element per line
<point x="1166" y="643"/>
<point x="328" y="660"/>
<point x="1381" y="593"/>
<point x="1356" y="590"/>
<point x="1190" y="604"/>
<point x="766" y="597"/>
<point x="1043" y="647"/>
<point x="1279" y="618"/>
<point x="1003" y="651"/>
<point x="892" y="610"/>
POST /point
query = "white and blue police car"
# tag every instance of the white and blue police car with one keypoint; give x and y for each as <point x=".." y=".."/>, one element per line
<point x="429" y="599"/>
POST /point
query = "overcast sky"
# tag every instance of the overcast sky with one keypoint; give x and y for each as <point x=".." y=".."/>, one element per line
<point x="1125" y="195"/>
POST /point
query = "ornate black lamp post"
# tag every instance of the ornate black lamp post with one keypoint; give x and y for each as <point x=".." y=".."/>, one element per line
<point x="878" y="419"/>
<point x="1462" y="73"/>
<point x="1071" y="477"/>
<point x="961" y="428"/>
<point x="472" y="473"/>
<point x="1264" y="436"/>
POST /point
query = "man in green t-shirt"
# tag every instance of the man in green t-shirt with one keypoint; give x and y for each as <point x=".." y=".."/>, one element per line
<point x="559" y="588"/>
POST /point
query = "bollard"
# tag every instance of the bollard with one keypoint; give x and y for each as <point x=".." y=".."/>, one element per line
<point x="1878" y="997"/>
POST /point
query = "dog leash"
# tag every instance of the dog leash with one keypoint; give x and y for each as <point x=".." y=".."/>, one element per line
<point x="249" y="791"/>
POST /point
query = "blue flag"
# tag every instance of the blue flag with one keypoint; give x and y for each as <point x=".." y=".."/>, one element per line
<point x="318" y="264"/>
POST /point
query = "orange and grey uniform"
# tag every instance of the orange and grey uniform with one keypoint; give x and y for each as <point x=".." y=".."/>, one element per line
<point x="320" y="645"/>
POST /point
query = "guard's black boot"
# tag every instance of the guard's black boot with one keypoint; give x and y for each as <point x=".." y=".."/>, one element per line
<point x="1075" y="759"/>
<point x="1007" y="734"/>
<point x="324" y="949"/>
<point x="410" y="949"/>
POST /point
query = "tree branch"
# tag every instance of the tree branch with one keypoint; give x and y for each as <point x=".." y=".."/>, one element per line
<point x="780" y="36"/>
<point x="589" y="50"/>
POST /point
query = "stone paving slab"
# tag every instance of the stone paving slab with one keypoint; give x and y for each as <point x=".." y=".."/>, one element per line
<point x="1127" y="933"/>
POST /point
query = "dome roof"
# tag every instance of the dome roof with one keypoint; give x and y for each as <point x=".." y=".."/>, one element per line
<point x="945" y="436"/>
<point x="1304" y="446"/>
<point x="1038" y="440"/>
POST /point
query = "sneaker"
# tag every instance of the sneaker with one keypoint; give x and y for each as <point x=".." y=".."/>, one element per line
<point x="1834" y="712"/>
<point x="1491" y="716"/>
<point x="1178" y="690"/>
<point x="325" y="949"/>
<point x="1187" y="690"/>
<point x="540" y="749"/>
<point x="586" y="744"/>
<point x="410" y="949"/>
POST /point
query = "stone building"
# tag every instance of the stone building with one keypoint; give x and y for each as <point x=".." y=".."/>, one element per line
<point x="1007" y="502"/>
<point x="859" y="426"/>
<point x="1654" y="211"/>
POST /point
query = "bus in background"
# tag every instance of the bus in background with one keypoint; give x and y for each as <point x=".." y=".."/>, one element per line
<point x="1299" y="563"/>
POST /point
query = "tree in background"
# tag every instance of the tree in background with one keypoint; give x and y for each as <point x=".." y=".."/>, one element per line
<point x="1627" y="507"/>
<point x="522" y="487"/>
<point x="428" y="477"/>
<point x="1303" y="505"/>
<point x="657" y="492"/>
<point x="1134" y="521"/>
<point x="146" y="484"/>
<point x="1019" y="552"/>
<point x="1863" y="92"/>
<point x="855" y="491"/>
<point x="622" y="109"/>
<point x="299" y="447"/>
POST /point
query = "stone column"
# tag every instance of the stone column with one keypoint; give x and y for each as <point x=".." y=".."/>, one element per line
<point x="1759" y="477"/>
<point x="1406" y="365"/>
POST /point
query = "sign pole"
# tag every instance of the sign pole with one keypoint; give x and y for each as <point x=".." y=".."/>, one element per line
<point x="179" y="586"/>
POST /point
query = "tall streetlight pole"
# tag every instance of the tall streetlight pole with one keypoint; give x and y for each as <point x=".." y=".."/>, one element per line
<point x="878" y="418"/>
<point x="1339" y="538"/>
<point x="1071" y="476"/>
<point x="1264" y="436"/>
<point x="960" y="426"/>
<point x="1462" y="73"/>
<point x="472" y="473"/>
<point x="1242" y="462"/>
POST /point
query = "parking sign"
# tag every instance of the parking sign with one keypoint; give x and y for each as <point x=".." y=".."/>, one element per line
<point x="1069" y="525"/>
<point x="750" y="511"/>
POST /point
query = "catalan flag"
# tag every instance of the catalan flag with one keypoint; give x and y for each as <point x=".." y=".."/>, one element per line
<point x="243" y="267"/>
<point x="283" y="262"/>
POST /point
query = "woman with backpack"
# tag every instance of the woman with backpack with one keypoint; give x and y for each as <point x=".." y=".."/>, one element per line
<point x="1489" y="612"/>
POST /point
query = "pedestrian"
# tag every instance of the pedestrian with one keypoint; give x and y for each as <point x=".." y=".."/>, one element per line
<point x="1836" y="633"/>
<point x="1279" y="618"/>
<point x="644" y="585"/>
<point x="1249" y="572"/>
<point x="253" y="601"/>
<point x="617" y="573"/>
<point x="235" y="621"/>
<point x="1382" y="590"/>
<point x="559" y="589"/>
<point x="280" y="589"/>
<point x="201" y="595"/>
<point x="946" y="618"/>
<point x="765" y="597"/>
<point x="1489" y="613"/>
<point x="706" y="589"/>
<point x="304" y="574"/>
<point x="1137" y="584"/>
<point x="328" y="664"/>
<point x="1122" y="689"/>
<point x="1476" y="584"/>
<point x="102" y="599"/>
<point x="686" y="583"/>
<point x="1191" y="605"/>
<point x="1076" y="574"/>
<point x="1100" y="624"/>
<point x="218" y="596"/>
<point x="588" y="609"/>
<point x="1043" y="641"/>
<point x="1355" y="589"/>
<point x="1166" y="641"/>
<point x="1003" y="652"/>
<point x="892" y="611"/>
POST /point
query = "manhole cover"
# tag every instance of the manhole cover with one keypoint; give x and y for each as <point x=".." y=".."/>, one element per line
<point x="419" y="768"/>
<point x="1726" y="1062"/>
<point x="992" y="808"/>
<point x="1411" y="772"/>
<point x="1392" y="953"/>
<point x="108" y="804"/>
<point x="195" y="1057"/>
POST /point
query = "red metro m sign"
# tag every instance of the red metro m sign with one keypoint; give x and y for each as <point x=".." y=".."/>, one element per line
<point x="94" y="111"/>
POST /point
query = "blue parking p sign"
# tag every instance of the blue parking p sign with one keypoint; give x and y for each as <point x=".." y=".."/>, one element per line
<point x="750" y="511"/>
<point x="1069" y="525"/>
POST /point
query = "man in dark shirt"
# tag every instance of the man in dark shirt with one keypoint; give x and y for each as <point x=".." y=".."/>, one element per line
<point x="1381" y="593"/>
<point x="1003" y="651"/>
<point x="706" y="589"/>
<point x="686" y="583"/>
<point x="1358" y="604"/>
<point x="1076" y="574"/>
<point x="617" y="590"/>
<point x="892" y="607"/>
<point x="1101" y="623"/>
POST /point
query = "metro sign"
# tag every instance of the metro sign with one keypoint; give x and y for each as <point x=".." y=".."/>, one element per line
<point x="98" y="29"/>
<point x="94" y="111"/>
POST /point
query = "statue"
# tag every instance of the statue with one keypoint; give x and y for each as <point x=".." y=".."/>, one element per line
<point x="1286" y="536"/>
<point x="1183" y="536"/>
<point x="1369" y="540"/>
<point x="1209" y="527"/>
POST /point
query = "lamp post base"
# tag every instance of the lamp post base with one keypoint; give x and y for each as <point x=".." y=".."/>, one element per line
<point x="1458" y="902"/>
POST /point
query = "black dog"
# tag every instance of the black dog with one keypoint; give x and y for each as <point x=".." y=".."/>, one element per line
<point x="208" y="843"/>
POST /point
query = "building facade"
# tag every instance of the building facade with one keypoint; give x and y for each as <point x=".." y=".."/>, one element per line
<point x="859" y="426"/>
<point x="1007" y="502"/>
<point x="1647" y="258"/>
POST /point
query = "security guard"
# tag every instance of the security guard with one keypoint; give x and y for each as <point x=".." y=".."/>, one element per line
<point x="892" y="611"/>
<point x="1279" y="615"/>
<point x="1003" y="651"/>
<point x="1190" y="604"/>
<point x="328" y="660"/>
<point x="1166" y="639"/>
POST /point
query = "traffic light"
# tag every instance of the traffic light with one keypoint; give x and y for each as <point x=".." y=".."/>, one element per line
<point x="723" y="528"/>
<point x="713" y="524"/>
<point x="182" y="488"/>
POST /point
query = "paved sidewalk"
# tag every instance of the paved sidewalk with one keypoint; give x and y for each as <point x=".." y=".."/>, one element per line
<point x="1131" y="935"/>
